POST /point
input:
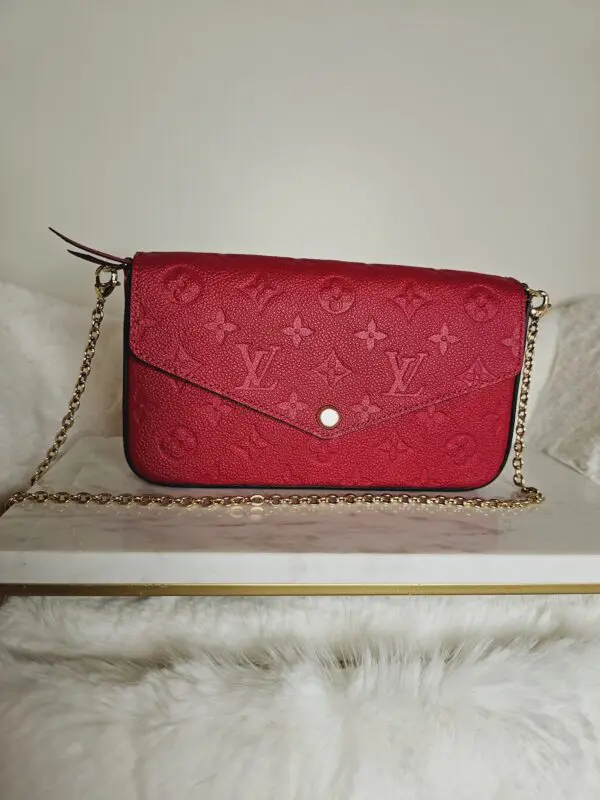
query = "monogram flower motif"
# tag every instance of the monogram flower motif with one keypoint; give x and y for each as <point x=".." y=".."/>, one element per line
<point x="220" y="326"/>
<point x="394" y="446"/>
<point x="336" y="295"/>
<point x="371" y="335"/>
<point x="477" y="374"/>
<point x="513" y="342"/>
<point x="324" y="452"/>
<point x="481" y="304"/>
<point x="430" y="417"/>
<point x="365" y="409"/>
<point x="178" y="443"/>
<point x="250" y="445"/>
<point x="292" y="406"/>
<point x="411" y="298"/>
<point x="443" y="339"/>
<point x="184" y="364"/>
<point x="177" y="386"/>
<point x="461" y="448"/>
<point x="141" y="319"/>
<point x="332" y="370"/>
<point x="217" y="409"/>
<point x="260" y="289"/>
<point x="297" y="331"/>
<point x="184" y="284"/>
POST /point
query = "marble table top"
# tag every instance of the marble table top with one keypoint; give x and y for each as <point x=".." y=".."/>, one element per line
<point x="297" y="550"/>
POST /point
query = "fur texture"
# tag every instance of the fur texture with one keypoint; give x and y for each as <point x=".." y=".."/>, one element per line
<point x="303" y="699"/>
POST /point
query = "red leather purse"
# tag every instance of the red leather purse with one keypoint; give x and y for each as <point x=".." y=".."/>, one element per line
<point x="252" y="371"/>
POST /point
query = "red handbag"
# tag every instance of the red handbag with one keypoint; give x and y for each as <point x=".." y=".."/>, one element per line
<point x="247" y="371"/>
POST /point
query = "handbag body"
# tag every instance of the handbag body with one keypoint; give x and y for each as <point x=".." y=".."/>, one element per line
<point x="244" y="371"/>
<point x="261" y="371"/>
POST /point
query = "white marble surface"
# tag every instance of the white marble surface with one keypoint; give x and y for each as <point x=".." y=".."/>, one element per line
<point x="556" y="544"/>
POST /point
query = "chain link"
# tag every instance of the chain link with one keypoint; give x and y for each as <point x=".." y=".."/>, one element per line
<point x="527" y="495"/>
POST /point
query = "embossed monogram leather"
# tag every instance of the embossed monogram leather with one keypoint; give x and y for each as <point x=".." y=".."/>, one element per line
<point x="230" y="360"/>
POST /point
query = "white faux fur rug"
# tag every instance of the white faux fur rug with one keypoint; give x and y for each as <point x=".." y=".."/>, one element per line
<point x="304" y="699"/>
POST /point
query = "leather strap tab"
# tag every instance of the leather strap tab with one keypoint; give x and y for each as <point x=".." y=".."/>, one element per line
<point x="90" y="252"/>
<point x="86" y="257"/>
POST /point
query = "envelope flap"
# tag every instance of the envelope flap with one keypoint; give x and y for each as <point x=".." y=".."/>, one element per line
<point x="292" y="337"/>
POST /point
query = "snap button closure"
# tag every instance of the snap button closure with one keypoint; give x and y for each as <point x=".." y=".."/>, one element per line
<point x="329" y="417"/>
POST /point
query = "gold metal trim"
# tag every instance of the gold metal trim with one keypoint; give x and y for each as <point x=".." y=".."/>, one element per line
<point x="282" y="589"/>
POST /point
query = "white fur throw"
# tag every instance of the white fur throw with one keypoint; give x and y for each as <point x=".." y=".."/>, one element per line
<point x="300" y="699"/>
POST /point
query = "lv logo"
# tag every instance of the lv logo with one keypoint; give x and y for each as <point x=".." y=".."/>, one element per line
<point x="404" y="370"/>
<point x="257" y="367"/>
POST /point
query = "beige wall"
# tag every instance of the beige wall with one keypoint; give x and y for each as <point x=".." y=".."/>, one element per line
<point x="450" y="133"/>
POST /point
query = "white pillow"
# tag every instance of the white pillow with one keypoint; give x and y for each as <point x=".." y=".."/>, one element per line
<point x="567" y="422"/>
<point x="41" y="347"/>
<point x="545" y="353"/>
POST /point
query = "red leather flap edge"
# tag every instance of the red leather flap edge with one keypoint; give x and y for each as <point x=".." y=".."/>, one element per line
<point x="289" y="337"/>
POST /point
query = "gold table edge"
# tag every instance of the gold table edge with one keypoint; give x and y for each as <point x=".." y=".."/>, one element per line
<point x="300" y="589"/>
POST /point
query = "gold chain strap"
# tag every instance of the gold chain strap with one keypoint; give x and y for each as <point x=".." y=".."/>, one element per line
<point x="527" y="495"/>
